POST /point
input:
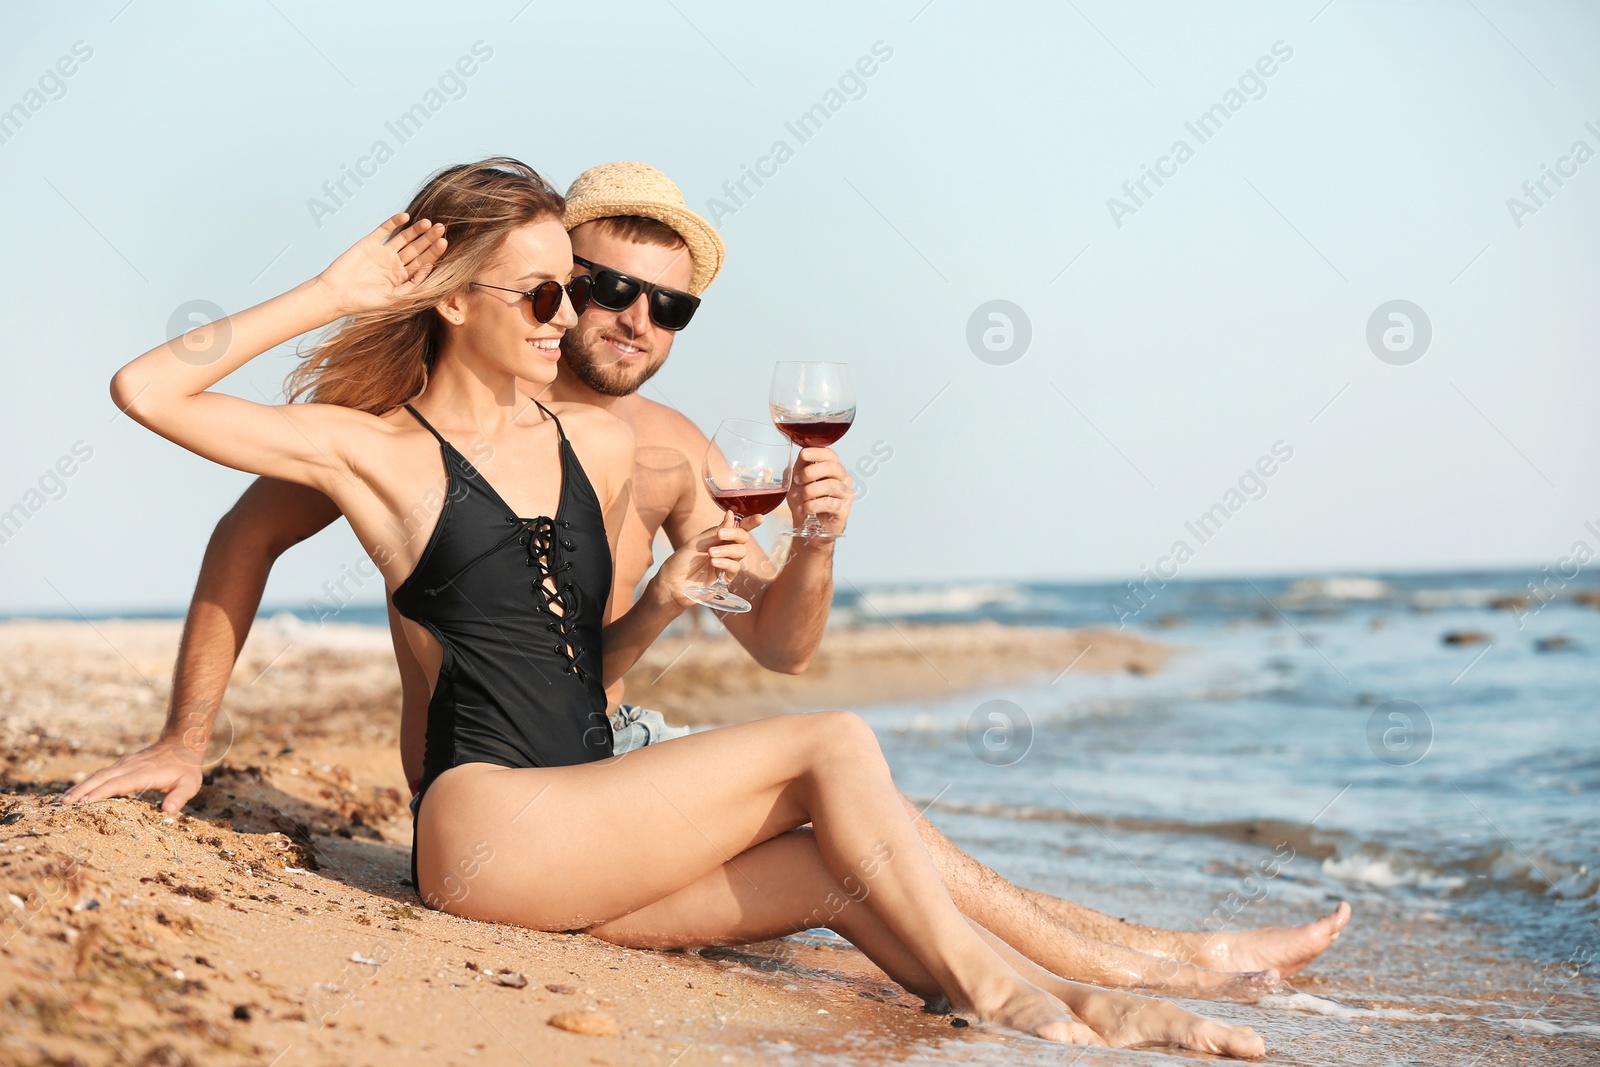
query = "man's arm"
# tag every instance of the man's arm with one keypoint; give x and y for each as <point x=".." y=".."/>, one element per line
<point x="789" y="607"/>
<point x="608" y="448"/>
<point x="269" y="518"/>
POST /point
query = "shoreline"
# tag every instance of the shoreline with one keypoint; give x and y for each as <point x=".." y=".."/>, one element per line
<point x="696" y="679"/>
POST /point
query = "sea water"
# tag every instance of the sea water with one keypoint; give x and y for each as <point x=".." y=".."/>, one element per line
<point x="1310" y="741"/>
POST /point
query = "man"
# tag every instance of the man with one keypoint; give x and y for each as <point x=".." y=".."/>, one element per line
<point x="651" y="257"/>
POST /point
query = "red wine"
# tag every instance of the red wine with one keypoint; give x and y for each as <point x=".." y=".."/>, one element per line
<point x="747" y="502"/>
<point x="817" y="433"/>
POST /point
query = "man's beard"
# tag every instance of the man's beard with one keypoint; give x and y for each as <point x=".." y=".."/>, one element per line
<point x="598" y="367"/>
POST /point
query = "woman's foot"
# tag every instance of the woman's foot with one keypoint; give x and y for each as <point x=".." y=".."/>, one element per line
<point x="1287" y="948"/>
<point x="1128" y="1021"/>
<point x="1015" y="1003"/>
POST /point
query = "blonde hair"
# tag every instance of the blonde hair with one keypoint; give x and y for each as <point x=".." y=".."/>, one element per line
<point x="377" y="360"/>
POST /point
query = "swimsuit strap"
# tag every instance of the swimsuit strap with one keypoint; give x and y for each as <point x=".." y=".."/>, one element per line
<point x="429" y="426"/>
<point x="547" y="411"/>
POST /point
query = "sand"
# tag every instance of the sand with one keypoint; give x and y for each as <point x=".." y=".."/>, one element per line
<point x="272" y="921"/>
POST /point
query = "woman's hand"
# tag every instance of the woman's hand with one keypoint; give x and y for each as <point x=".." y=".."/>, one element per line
<point x="724" y="547"/>
<point x="384" y="266"/>
<point x="170" y="391"/>
<point x="721" y="549"/>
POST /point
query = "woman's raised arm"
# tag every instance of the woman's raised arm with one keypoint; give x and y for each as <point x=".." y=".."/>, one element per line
<point x="166" y="388"/>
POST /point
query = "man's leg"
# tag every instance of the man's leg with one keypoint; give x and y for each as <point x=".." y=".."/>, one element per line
<point x="1073" y="940"/>
<point x="1014" y="915"/>
<point x="1289" y="949"/>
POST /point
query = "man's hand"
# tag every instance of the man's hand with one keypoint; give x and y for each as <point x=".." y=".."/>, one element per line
<point x="171" y="766"/>
<point x="821" y="487"/>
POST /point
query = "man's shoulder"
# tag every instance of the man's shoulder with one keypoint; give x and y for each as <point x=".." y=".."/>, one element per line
<point x="594" y="427"/>
<point x="660" y="426"/>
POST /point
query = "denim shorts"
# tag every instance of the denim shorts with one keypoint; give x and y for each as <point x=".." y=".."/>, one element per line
<point x="634" y="727"/>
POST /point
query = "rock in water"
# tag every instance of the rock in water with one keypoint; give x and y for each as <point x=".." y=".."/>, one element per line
<point x="593" y="1023"/>
<point x="1465" y="637"/>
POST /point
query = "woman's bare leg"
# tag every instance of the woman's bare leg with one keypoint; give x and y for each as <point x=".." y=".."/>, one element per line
<point x="779" y="887"/>
<point x="560" y="848"/>
<point x="791" y="889"/>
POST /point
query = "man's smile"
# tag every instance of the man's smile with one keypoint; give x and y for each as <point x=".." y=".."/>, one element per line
<point x="626" y="349"/>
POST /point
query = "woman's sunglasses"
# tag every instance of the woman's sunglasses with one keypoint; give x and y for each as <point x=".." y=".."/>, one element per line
<point x="613" y="290"/>
<point x="545" y="298"/>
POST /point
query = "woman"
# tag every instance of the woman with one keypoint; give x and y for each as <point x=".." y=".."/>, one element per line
<point x="501" y="566"/>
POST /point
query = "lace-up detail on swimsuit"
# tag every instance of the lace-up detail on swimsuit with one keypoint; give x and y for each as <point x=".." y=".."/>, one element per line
<point x="516" y="605"/>
<point x="558" y="597"/>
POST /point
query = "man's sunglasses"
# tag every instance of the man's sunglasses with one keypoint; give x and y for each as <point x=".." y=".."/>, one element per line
<point x="613" y="290"/>
<point x="545" y="298"/>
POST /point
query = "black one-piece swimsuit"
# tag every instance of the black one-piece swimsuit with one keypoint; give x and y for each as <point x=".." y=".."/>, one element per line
<point x="519" y="682"/>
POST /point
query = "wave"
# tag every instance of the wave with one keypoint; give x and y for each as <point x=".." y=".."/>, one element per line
<point x="1343" y="856"/>
<point x="1320" y="1006"/>
<point x="1317" y="590"/>
<point x="1440" y="599"/>
<point x="1269" y="833"/>
<point x="1384" y="873"/>
<point x="290" y="628"/>
<point x="1383" y="867"/>
<point x="934" y="599"/>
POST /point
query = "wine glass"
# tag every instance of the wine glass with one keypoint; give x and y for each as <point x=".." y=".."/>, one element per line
<point x="747" y="469"/>
<point x="813" y="404"/>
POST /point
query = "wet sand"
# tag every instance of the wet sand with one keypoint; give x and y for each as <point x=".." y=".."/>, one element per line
<point x="272" y="923"/>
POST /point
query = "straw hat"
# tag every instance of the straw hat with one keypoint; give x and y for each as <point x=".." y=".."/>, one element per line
<point x="640" y="189"/>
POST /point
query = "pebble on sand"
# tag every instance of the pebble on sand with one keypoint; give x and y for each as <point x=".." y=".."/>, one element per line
<point x="594" y="1023"/>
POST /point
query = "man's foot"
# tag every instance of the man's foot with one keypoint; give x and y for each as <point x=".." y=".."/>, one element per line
<point x="1191" y="980"/>
<point x="1287" y="948"/>
<point x="1245" y="987"/>
<point x="1129" y="1021"/>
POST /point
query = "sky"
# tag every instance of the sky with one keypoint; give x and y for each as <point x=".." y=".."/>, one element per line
<point x="1350" y="317"/>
